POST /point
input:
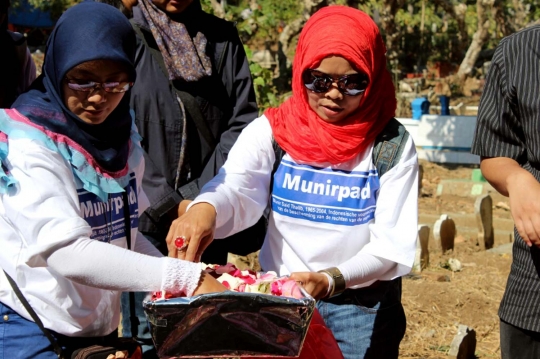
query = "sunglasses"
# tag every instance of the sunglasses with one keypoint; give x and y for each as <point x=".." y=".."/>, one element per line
<point x="90" y="86"/>
<point x="350" y="85"/>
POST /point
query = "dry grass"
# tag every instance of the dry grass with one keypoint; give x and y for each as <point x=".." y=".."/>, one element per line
<point x="471" y="297"/>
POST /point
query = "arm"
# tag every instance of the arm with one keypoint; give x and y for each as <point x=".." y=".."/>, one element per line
<point x="511" y="180"/>
<point x="235" y="199"/>
<point x="45" y="213"/>
<point x="391" y="249"/>
<point x="501" y="141"/>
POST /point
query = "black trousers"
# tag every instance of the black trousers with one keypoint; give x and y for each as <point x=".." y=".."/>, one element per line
<point x="517" y="343"/>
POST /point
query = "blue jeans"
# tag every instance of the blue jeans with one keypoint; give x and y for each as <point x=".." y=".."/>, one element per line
<point x="22" y="338"/>
<point x="367" y="322"/>
<point x="143" y="330"/>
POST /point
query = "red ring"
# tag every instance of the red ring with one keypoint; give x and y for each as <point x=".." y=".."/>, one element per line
<point x="181" y="243"/>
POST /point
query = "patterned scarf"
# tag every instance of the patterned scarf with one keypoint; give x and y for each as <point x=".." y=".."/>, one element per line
<point x="184" y="57"/>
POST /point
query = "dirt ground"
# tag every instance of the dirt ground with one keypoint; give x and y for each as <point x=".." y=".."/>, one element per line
<point x="437" y="300"/>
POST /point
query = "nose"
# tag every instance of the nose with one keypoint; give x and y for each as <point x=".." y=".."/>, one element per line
<point x="333" y="92"/>
<point x="97" y="95"/>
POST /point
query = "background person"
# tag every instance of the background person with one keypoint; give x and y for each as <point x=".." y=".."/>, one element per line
<point x="334" y="224"/>
<point x="192" y="98"/>
<point x="18" y="69"/>
<point x="69" y="151"/>
<point x="507" y="140"/>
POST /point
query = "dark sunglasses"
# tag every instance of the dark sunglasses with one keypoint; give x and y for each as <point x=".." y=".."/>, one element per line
<point x="350" y="85"/>
<point x="90" y="86"/>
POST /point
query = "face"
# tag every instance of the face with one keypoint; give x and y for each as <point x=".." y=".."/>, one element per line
<point x="96" y="105"/>
<point x="333" y="106"/>
<point x="172" y="6"/>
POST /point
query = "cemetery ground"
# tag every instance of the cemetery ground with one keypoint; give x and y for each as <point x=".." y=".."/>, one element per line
<point x="437" y="299"/>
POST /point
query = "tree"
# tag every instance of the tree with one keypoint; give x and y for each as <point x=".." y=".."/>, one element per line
<point x="480" y="37"/>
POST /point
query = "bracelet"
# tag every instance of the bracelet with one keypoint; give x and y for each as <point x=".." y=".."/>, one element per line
<point x="339" y="282"/>
<point x="331" y="284"/>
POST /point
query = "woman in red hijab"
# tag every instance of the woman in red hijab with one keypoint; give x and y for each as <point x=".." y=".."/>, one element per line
<point x="339" y="223"/>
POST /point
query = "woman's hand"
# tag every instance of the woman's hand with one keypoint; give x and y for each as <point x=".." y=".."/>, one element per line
<point x="196" y="227"/>
<point x="182" y="207"/>
<point x="316" y="284"/>
<point x="208" y="284"/>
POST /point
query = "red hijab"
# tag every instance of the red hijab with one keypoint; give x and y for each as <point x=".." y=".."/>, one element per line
<point x="351" y="34"/>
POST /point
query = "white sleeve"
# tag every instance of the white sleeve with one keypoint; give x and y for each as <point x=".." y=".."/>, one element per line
<point x="240" y="190"/>
<point x="106" y="266"/>
<point x="390" y="252"/>
<point x="44" y="211"/>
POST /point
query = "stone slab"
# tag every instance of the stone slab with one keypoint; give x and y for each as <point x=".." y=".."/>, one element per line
<point x="502" y="249"/>
<point x="467" y="188"/>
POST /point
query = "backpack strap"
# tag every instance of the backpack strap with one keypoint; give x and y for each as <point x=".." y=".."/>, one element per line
<point x="389" y="146"/>
<point x="279" y="153"/>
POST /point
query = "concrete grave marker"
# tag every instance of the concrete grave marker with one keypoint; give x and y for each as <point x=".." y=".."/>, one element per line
<point x="420" y="178"/>
<point x="483" y="209"/>
<point x="464" y="343"/>
<point x="444" y="231"/>
<point x="421" y="259"/>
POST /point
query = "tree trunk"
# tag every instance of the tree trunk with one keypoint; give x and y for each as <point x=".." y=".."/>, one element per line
<point x="293" y="29"/>
<point x="219" y="10"/>
<point x="479" y="39"/>
<point x="457" y="11"/>
<point x="388" y="22"/>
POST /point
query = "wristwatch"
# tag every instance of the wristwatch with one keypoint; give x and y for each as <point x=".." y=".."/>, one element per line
<point x="339" y="282"/>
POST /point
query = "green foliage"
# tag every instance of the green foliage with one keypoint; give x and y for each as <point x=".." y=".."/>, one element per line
<point x="265" y="90"/>
<point x="56" y="7"/>
<point x="266" y="18"/>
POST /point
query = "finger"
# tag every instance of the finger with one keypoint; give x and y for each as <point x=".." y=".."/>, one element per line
<point x="193" y="247"/>
<point x="181" y="243"/>
<point x="205" y="242"/>
<point x="530" y="231"/>
<point x="522" y="233"/>
<point x="169" y="239"/>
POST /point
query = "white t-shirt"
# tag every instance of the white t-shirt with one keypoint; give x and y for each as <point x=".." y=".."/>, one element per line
<point x="321" y="215"/>
<point x="65" y="248"/>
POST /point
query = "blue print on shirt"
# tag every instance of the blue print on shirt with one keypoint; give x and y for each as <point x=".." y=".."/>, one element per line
<point x="107" y="218"/>
<point x="325" y="195"/>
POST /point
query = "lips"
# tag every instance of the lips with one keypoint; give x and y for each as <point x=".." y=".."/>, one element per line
<point x="331" y="111"/>
<point x="94" y="112"/>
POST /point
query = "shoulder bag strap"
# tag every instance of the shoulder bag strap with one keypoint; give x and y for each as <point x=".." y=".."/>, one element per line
<point x="56" y="347"/>
<point x="133" y="319"/>
<point x="189" y="101"/>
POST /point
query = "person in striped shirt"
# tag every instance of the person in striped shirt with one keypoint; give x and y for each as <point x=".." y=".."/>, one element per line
<point x="508" y="140"/>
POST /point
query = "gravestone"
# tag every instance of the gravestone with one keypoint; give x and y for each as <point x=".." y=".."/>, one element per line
<point x="421" y="259"/>
<point x="420" y="178"/>
<point x="483" y="209"/>
<point x="444" y="231"/>
<point x="464" y="343"/>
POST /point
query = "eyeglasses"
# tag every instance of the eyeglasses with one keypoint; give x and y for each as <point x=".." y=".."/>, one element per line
<point x="350" y="85"/>
<point x="90" y="86"/>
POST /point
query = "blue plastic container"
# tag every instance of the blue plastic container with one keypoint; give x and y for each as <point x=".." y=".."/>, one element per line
<point x="420" y="106"/>
<point x="445" y="105"/>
